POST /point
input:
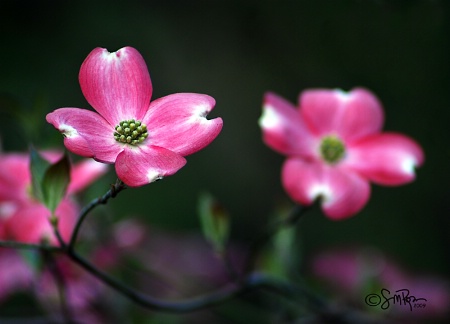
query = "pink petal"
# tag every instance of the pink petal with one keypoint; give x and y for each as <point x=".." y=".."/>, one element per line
<point x="51" y="156"/>
<point x="16" y="274"/>
<point x="30" y="223"/>
<point x="84" y="173"/>
<point x="138" y="166"/>
<point x="14" y="176"/>
<point x="178" y="122"/>
<point x="350" y="115"/>
<point x="342" y="193"/>
<point x="341" y="268"/>
<point x="283" y="128"/>
<point x="387" y="158"/>
<point x="116" y="84"/>
<point x="86" y="133"/>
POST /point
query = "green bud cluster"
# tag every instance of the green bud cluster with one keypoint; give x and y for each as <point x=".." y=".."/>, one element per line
<point x="130" y="132"/>
<point x="332" y="149"/>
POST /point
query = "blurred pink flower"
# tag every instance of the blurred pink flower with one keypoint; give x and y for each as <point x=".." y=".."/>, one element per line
<point x="172" y="264"/>
<point x="82" y="291"/>
<point x="353" y="271"/>
<point x="146" y="141"/>
<point x="334" y="147"/>
<point x="30" y="222"/>
<point x="22" y="217"/>
<point x="15" y="274"/>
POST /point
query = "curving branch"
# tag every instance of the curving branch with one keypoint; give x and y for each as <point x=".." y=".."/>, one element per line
<point x="29" y="246"/>
<point x="111" y="193"/>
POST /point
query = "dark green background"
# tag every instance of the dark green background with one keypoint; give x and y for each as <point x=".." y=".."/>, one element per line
<point x="235" y="51"/>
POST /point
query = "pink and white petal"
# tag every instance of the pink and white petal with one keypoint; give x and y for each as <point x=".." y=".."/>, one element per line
<point x="318" y="108"/>
<point x="84" y="173"/>
<point x="362" y="115"/>
<point x="178" y="122"/>
<point x="106" y="149"/>
<point x="86" y="133"/>
<point x="342" y="193"/>
<point x="283" y="128"/>
<point x="349" y="193"/>
<point x="350" y="115"/>
<point x="386" y="159"/>
<point x="299" y="177"/>
<point x="116" y="84"/>
<point x="138" y="166"/>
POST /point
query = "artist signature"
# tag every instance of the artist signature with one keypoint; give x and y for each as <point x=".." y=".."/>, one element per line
<point x="401" y="297"/>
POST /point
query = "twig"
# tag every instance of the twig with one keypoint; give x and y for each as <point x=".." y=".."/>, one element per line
<point x="29" y="246"/>
<point x="60" y="283"/>
<point x="111" y="193"/>
<point x="292" y="218"/>
<point x="252" y="282"/>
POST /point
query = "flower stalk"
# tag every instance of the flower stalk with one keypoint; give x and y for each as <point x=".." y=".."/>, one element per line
<point x="111" y="193"/>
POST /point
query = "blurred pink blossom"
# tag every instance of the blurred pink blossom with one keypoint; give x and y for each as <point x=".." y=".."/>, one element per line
<point x="22" y="217"/>
<point x="335" y="147"/>
<point x="172" y="265"/>
<point x="355" y="273"/>
<point x="83" y="293"/>
<point x="15" y="274"/>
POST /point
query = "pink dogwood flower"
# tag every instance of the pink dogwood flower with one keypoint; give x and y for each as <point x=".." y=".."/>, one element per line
<point x="22" y="217"/>
<point x="146" y="140"/>
<point x="335" y="147"/>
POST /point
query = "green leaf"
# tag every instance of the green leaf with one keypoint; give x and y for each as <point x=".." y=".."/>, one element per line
<point x="55" y="182"/>
<point x="38" y="167"/>
<point x="215" y="222"/>
<point x="279" y="258"/>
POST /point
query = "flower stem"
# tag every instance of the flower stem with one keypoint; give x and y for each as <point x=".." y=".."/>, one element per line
<point x="291" y="219"/>
<point x="28" y="246"/>
<point x="252" y="282"/>
<point x="111" y="193"/>
<point x="60" y="283"/>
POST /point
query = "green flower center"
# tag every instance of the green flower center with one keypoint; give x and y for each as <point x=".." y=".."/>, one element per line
<point x="130" y="132"/>
<point x="332" y="149"/>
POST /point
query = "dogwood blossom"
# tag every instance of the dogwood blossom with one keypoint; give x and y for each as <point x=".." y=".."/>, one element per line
<point x="146" y="140"/>
<point x="334" y="147"/>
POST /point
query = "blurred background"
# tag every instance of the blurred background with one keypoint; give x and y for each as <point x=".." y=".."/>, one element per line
<point x="235" y="51"/>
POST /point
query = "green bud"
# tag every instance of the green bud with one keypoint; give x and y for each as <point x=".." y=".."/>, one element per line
<point x="53" y="220"/>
